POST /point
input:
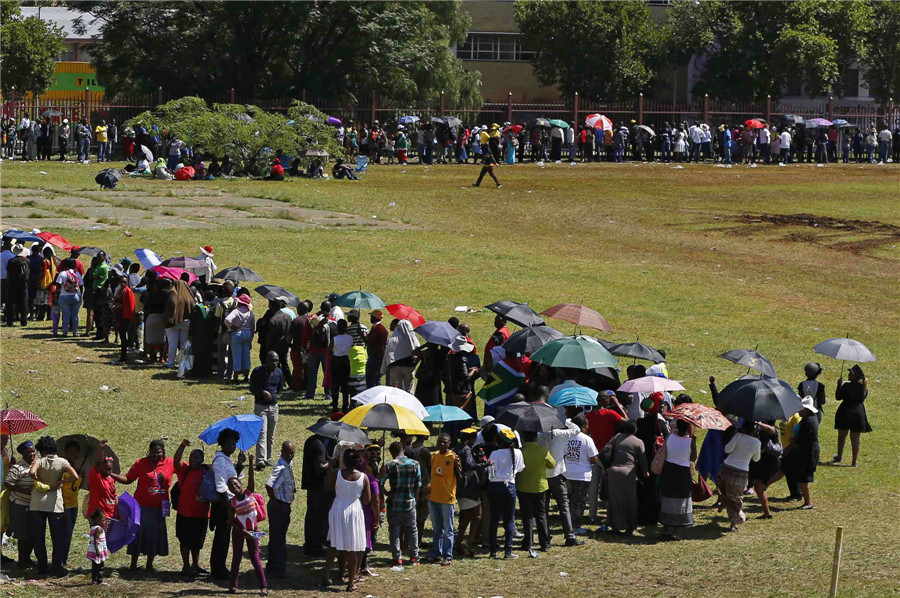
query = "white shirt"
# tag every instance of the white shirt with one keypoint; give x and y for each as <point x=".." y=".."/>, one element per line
<point x="282" y="481"/>
<point x="507" y="463"/>
<point x="696" y="134"/>
<point x="741" y="450"/>
<point x="556" y="441"/>
<point x="336" y="313"/>
<point x="678" y="450"/>
<point x="764" y="136"/>
<point x="342" y="344"/>
<point x="579" y="452"/>
<point x="570" y="135"/>
<point x="64" y="276"/>
<point x="885" y="135"/>
<point x="224" y="470"/>
<point x="785" y="139"/>
<point x="210" y="266"/>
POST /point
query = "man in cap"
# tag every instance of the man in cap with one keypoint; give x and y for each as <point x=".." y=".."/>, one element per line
<point x="334" y="312"/>
<point x="376" y="341"/>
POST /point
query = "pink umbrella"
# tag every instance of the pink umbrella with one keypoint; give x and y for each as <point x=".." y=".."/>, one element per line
<point x="598" y="121"/>
<point x="57" y="240"/>
<point x="650" y="384"/>
<point x="173" y="273"/>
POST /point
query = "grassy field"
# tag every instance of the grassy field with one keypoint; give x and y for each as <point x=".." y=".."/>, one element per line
<point x="697" y="260"/>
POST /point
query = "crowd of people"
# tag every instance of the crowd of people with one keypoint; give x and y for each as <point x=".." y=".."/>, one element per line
<point x="624" y="455"/>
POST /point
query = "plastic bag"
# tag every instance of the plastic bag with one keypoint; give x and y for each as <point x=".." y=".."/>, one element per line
<point x="187" y="360"/>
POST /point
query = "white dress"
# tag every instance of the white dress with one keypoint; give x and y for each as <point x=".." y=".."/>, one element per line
<point x="346" y="521"/>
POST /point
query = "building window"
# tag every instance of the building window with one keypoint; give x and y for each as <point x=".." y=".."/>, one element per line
<point x="506" y="47"/>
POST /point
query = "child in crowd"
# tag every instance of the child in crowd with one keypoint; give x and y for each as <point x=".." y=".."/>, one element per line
<point x="245" y="514"/>
<point x="54" y="307"/>
<point x="97" y="551"/>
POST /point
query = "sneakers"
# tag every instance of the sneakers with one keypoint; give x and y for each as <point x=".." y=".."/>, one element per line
<point x="476" y="185"/>
<point x="446" y="562"/>
<point x="499" y="185"/>
<point x="532" y="554"/>
<point x="397" y="563"/>
<point x="413" y="562"/>
<point x="574" y="542"/>
<point x="510" y="556"/>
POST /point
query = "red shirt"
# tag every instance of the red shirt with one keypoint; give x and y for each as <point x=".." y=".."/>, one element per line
<point x="602" y="425"/>
<point x="79" y="267"/>
<point x="498" y="338"/>
<point x="101" y="493"/>
<point x="153" y="482"/>
<point x="189" y="503"/>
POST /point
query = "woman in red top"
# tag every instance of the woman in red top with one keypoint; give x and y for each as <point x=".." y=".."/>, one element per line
<point x="154" y="477"/>
<point x="193" y="512"/>
<point x="123" y="308"/>
<point x="102" y="485"/>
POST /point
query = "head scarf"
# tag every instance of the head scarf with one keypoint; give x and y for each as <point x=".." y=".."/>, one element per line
<point x="651" y="404"/>
<point x="24" y="447"/>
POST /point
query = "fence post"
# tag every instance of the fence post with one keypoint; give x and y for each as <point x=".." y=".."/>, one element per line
<point x="372" y="115"/>
<point x="768" y="109"/>
<point x="159" y="96"/>
<point x="443" y="103"/>
<point x="232" y="95"/>
<point x="706" y="108"/>
<point x="890" y="112"/>
<point x="575" y="112"/>
<point x="87" y="113"/>
<point x="640" y="109"/>
<point x="509" y="107"/>
<point x="831" y="108"/>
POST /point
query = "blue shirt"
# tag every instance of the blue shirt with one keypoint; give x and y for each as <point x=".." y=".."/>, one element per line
<point x="282" y="481"/>
<point x="261" y="380"/>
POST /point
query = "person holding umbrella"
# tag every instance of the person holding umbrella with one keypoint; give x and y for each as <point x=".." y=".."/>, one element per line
<point x="850" y="417"/>
<point x="153" y="474"/>
<point x="223" y="471"/>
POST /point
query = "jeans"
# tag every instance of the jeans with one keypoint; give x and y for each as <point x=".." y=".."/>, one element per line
<point x="176" y="336"/>
<point x="69" y="305"/>
<point x="726" y="153"/>
<point x="313" y="361"/>
<point x="71" y="518"/>
<point x="279" y="521"/>
<point x="240" y="350"/>
<point x="883" y="154"/>
<point x="237" y="545"/>
<point x="101" y="151"/>
<point x="84" y="148"/>
<point x="269" y="414"/>
<point x="442" y="522"/>
<point x="110" y="149"/>
<point x="223" y="354"/>
<point x="870" y="150"/>
<point x="58" y="527"/>
<point x="503" y="505"/>
<point x="532" y="506"/>
<point x="403" y="522"/>
<point x="560" y="493"/>
<point x="315" y="523"/>
<point x="373" y="372"/>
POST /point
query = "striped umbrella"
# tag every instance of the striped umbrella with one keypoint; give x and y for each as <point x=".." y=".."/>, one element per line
<point x="394" y="396"/>
<point x="598" y="121"/>
<point x="386" y="416"/>
<point x="19" y="421"/>
<point x="579" y="315"/>
<point x="148" y="258"/>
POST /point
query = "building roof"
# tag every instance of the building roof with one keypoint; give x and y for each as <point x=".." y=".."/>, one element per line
<point x="65" y="18"/>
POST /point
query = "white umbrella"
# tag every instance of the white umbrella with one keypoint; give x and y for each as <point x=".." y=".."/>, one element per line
<point x="148" y="258"/>
<point x="650" y="384"/>
<point x="394" y="396"/>
<point x="147" y="153"/>
<point x="845" y="349"/>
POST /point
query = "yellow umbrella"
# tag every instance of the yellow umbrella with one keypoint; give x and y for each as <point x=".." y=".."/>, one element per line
<point x="386" y="416"/>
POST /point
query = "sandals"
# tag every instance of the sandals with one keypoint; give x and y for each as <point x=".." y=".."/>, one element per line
<point x="808" y="507"/>
<point x="352" y="586"/>
<point x="765" y="516"/>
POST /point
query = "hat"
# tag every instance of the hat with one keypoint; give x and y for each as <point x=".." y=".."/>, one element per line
<point x="400" y="127"/>
<point x="354" y="312"/>
<point x="857" y="371"/>
<point x="373" y="447"/>
<point x="243" y="299"/>
<point x="610" y="393"/>
<point x="651" y="404"/>
<point x="506" y="437"/>
<point x="377" y="313"/>
<point x="486" y="420"/>
<point x="495" y="126"/>
<point x="276" y="161"/>
<point x="812" y="369"/>
<point x="125" y="261"/>
<point x="332" y="296"/>
<point x="468" y="431"/>
<point x="207" y="250"/>
<point x="65" y="121"/>
<point x="809" y="403"/>
<point x="462" y="345"/>
<point x="336" y="416"/>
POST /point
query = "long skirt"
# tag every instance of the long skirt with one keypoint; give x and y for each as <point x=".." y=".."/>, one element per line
<point x="676" y="508"/>
<point x="648" y="501"/>
<point x="622" y="513"/>
<point x="152" y="537"/>
<point x="732" y="483"/>
<point x="155" y="329"/>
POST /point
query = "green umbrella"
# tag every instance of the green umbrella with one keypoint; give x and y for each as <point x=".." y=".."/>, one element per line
<point x="559" y="123"/>
<point x="576" y="352"/>
<point x="359" y="300"/>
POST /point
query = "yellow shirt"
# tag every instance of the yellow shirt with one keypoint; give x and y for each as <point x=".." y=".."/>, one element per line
<point x="443" y="477"/>
<point x="484" y="137"/>
<point x="70" y="494"/>
<point x="787" y="431"/>
<point x="101" y="132"/>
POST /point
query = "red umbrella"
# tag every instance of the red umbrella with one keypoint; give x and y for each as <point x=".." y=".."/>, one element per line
<point x="598" y="121"/>
<point x="701" y="416"/>
<point x="57" y="240"/>
<point x="755" y="123"/>
<point x="19" y="421"/>
<point x="402" y="311"/>
<point x="579" y="315"/>
<point x="173" y="273"/>
<point x="514" y="129"/>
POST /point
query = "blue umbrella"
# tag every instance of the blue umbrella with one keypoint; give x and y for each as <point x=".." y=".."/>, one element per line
<point x="359" y="300"/>
<point x="438" y="332"/>
<point x="446" y="413"/>
<point x="148" y="258"/>
<point x="247" y="425"/>
<point x="574" y="396"/>
<point x="121" y="532"/>
<point x="20" y="235"/>
<point x="408" y="120"/>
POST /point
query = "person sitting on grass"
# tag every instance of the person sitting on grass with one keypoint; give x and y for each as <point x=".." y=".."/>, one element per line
<point x="343" y="171"/>
<point x="276" y="172"/>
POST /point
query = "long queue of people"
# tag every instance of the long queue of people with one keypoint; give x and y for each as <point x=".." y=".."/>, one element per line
<point x="624" y="455"/>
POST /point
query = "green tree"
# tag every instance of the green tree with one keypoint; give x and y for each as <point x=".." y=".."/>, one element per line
<point x="343" y="51"/>
<point x="747" y="50"/>
<point x="882" y="62"/>
<point x="29" y="51"/>
<point x="602" y="50"/>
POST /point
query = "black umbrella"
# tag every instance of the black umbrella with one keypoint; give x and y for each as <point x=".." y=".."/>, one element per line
<point x="759" y="399"/>
<point x="452" y="121"/>
<point x="91" y="251"/>
<point x="184" y="262"/>
<point x="531" y="417"/>
<point x="438" y="120"/>
<point x="530" y="339"/>
<point x="108" y="177"/>
<point x="791" y="119"/>
<point x="608" y="345"/>
<point x="637" y="351"/>
<point x="239" y="273"/>
<point x="515" y="312"/>
<point x="751" y="359"/>
<point x="539" y="122"/>
<point x="337" y="430"/>
<point x="270" y="291"/>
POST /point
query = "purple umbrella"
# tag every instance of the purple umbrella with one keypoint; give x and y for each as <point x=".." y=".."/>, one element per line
<point x="333" y="121"/>
<point x="122" y="531"/>
<point x="818" y="122"/>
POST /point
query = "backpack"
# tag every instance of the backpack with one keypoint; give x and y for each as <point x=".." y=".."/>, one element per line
<point x="207" y="490"/>
<point x="319" y="337"/>
<point x="71" y="284"/>
<point x="17" y="269"/>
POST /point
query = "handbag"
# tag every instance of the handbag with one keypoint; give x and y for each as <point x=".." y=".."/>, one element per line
<point x="174" y="494"/>
<point x="659" y="460"/>
<point x="773" y="448"/>
<point x="608" y="453"/>
<point x="700" y="490"/>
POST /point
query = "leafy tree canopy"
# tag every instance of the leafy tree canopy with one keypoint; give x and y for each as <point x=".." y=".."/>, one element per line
<point x="28" y="51"/>
<point x="340" y="50"/>
<point x="882" y="61"/>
